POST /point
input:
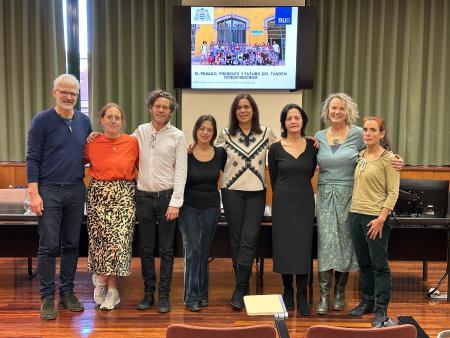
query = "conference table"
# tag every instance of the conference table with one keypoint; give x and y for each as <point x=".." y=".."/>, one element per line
<point x="411" y="239"/>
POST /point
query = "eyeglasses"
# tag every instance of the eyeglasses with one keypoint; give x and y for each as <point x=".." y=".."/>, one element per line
<point x="113" y="118"/>
<point x="152" y="140"/>
<point x="65" y="93"/>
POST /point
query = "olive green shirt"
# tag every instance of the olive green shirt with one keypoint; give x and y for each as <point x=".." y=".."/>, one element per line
<point x="376" y="185"/>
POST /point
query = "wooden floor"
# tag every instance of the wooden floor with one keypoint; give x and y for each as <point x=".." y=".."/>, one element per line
<point x="19" y="304"/>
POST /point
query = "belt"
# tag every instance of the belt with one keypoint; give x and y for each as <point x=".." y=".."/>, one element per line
<point x="156" y="194"/>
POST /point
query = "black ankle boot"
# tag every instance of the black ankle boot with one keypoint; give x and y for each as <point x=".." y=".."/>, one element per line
<point x="288" y="293"/>
<point x="242" y="286"/>
<point x="303" y="307"/>
<point x="147" y="301"/>
<point x="288" y="298"/>
<point x="302" y="299"/>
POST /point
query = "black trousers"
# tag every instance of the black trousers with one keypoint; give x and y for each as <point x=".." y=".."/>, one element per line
<point x="375" y="279"/>
<point x="244" y="211"/>
<point x="150" y="212"/>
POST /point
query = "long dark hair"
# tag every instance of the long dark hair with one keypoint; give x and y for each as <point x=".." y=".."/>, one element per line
<point x="384" y="142"/>
<point x="233" y="124"/>
<point x="199" y="123"/>
<point x="283" y="117"/>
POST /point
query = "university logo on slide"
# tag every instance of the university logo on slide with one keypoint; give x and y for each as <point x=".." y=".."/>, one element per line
<point x="202" y="15"/>
<point x="283" y="15"/>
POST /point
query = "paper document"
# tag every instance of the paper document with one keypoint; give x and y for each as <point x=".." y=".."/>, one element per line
<point x="259" y="305"/>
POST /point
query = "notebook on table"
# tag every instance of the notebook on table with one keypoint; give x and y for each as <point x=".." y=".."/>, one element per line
<point x="260" y="305"/>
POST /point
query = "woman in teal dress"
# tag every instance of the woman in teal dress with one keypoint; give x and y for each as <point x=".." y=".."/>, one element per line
<point x="340" y="145"/>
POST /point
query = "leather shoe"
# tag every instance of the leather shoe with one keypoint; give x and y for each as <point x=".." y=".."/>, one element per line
<point x="203" y="303"/>
<point x="69" y="301"/>
<point x="362" y="308"/>
<point x="303" y="307"/>
<point x="195" y="307"/>
<point x="288" y="298"/>
<point x="48" y="311"/>
<point x="146" y="302"/>
<point x="163" y="305"/>
<point x="379" y="318"/>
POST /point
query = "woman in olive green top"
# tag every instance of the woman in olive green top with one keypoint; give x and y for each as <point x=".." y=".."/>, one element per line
<point x="375" y="193"/>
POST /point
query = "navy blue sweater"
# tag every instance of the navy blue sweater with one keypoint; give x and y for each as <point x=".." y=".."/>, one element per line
<point x="55" y="150"/>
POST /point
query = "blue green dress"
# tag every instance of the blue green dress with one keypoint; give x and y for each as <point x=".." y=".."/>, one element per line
<point x="334" y="195"/>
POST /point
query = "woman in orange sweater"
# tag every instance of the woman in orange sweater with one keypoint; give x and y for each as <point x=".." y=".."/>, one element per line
<point x="113" y="157"/>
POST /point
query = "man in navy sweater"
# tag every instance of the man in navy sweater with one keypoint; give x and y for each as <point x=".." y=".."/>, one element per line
<point x="55" y="171"/>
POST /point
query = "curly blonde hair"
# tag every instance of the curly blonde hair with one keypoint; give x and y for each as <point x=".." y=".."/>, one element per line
<point x="351" y="108"/>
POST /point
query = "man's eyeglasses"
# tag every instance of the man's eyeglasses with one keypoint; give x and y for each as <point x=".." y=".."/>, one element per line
<point x="152" y="140"/>
<point x="65" y="93"/>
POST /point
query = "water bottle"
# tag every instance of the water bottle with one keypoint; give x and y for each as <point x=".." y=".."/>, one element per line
<point x="429" y="210"/>
<point x="26" y="205"/>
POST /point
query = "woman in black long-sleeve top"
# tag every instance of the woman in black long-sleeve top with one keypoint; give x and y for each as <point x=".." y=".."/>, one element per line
<point x="201" y="210"/>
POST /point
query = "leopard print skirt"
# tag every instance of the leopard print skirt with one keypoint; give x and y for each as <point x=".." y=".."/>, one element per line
<point x="111" y="212"/>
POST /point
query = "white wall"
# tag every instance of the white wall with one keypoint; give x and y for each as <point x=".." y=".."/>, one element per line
<point x="217" y="102"/>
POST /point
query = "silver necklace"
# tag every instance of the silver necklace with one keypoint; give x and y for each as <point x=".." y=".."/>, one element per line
<point x="335" y="138"/>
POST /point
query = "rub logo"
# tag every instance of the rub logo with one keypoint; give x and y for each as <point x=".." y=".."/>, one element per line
<point x="283" y="15"/>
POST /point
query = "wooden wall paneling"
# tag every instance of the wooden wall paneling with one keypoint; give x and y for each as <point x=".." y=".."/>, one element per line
<point x="14" y="175"/>
<point x="6" y="177"/>
<point x="422" y="174"/>
<point x="20" y="176"/>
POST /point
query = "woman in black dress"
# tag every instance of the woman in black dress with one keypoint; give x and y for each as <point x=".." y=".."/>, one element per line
<point x="292" y="162"/>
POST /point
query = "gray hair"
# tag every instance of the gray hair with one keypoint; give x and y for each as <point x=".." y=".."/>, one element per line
<point x="157" y="93"/>
<point x="66" y="78"/>
<point x="351" y="108"/>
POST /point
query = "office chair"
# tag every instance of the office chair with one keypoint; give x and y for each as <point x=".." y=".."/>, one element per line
<point x="400" y="331"/>
<point x="188" y="331"/>
<point x="444" y="334"/>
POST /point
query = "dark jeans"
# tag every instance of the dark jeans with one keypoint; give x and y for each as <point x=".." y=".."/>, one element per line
<point x="198" y="227"/>
<point x="375" y="275"/>
<point x="60" y="222"/>
<point x="244" y="211"/>
<point x="150" y="212"/>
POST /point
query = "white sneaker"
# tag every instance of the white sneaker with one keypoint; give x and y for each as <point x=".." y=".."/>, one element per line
<point x="100" y="290"/>
<point x="111" y="300"/>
